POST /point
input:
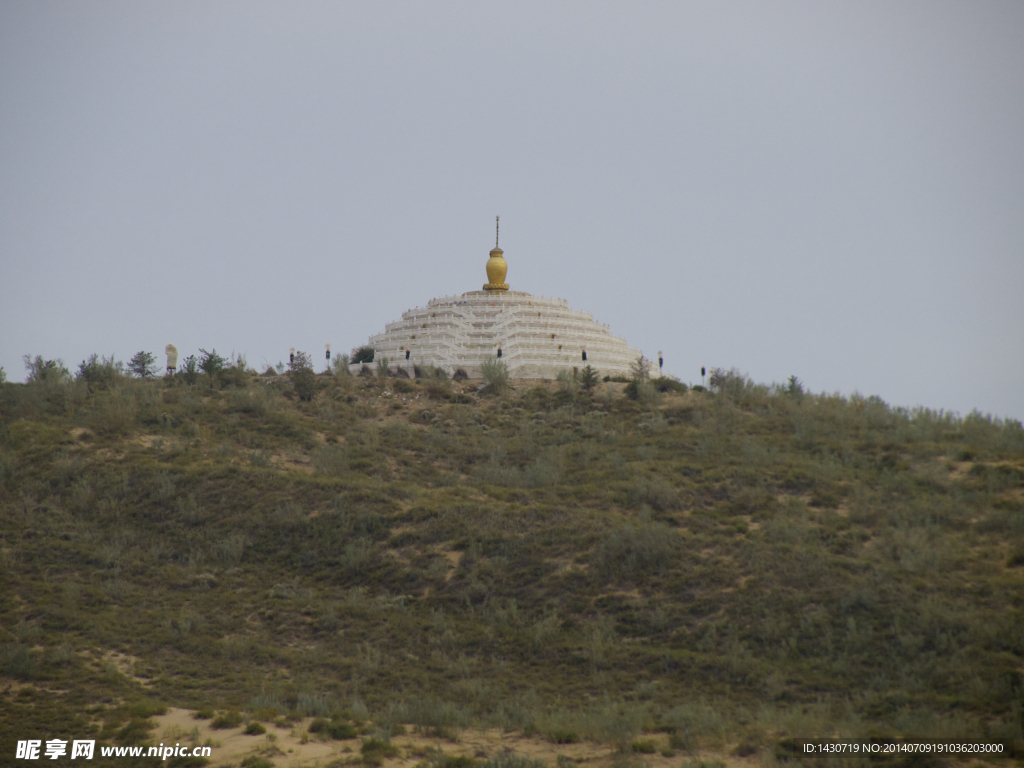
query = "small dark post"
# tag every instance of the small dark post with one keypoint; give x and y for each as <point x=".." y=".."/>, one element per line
<point x="584" y="355"/>
<point x="407" y="354"/>
<point x="661" y="361"/>
<point x="702" y="375"/>
<point x="499" y="350"/>
<point x="291" y="356"/>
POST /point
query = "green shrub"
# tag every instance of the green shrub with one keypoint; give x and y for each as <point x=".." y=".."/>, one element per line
<point x="254" y="729"/>
<point x="143" y="365"/>
<point x="665" y="384"/>
<point x="363" y="355"/>
<point x="563" y="737"/>
<point x="335" y="730"/>
<point x="135" y="732"/>
<point x="375" y="750"/>
<point x="202" y="714"/>
<point x="339" y="366"/>
<point x="188" y="762"/>
<point x="42" y="371"/>
<point x="18" y="662"/>
<point x="234" y="376"/>
<point x="99" y="372"/>
<point x="230" y="719"/>
<point x="189" y="370"/>
<point x="211" y="363"/>
<point x="341" y="731"/>
<point x="645" y="747"/>
<point x="654" y="492"/>
<point x="441" y="760"/>
<point x="303" y="378"/>
<point x="588" y="378"/>
<point x="116" y="412"/>
<point x="313" y="705"/>
<point x="330" y="460"/>
<point x="637" y="553"/>
<point x="494" y="372"/>
<point x="509" y="759"/>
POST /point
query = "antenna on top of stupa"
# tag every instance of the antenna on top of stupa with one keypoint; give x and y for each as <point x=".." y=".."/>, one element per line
<point x="496" y="220"/>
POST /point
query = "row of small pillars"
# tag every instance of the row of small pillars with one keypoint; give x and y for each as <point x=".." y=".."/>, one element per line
<point x="291" y="354"/>
<point x="172" y="358"/>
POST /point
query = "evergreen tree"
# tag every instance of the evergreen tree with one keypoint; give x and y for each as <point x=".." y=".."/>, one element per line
<point x="143" y="365"/>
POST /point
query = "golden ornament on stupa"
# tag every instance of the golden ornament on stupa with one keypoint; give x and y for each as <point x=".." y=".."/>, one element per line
<point x="496" y="266"/>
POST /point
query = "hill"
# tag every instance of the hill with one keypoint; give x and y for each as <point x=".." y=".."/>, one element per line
<point x="727" y="567"/>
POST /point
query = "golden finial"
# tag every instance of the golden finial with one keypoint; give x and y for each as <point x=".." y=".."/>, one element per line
<point x="496" y="266"/>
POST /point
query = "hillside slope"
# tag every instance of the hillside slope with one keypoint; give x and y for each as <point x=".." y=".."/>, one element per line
<point x="728" y="566"/>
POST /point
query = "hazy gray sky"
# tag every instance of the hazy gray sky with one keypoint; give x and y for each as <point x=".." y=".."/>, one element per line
<point x="832" y="190"/>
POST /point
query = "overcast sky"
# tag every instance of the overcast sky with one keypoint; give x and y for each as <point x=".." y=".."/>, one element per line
<point x="831" y="190"/>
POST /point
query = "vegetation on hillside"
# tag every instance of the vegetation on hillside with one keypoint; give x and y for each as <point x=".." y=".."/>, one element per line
<point x="581" y="562"/>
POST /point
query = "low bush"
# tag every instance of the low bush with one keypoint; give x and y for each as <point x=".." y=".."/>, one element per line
<point x="494" y="372"/>
<point x="230" y="719"/>
<point x="189" y="761"/>
<point x="665" y="384"/>
<point x="588" y="378"/>
<point x="254" y="729"/>
<point x="99" y="372"/>
<point x="375" y="750"/>
<point x="341" y="731"/>
<point x="509" y="759"/>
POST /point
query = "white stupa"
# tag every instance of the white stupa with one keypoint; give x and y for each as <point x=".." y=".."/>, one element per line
<point x="535" y="336"/>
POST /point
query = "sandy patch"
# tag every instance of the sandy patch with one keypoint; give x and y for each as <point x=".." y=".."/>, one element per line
<point x="285" y="747"/>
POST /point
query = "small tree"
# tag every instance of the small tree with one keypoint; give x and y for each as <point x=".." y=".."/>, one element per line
<point x="639" y="386"/>
<point x="45" y="371"/>
<point x="588" y="378"/>
<point x="3" y="375"/>
<point x="300" y="361"/>
<point x="568" y="383"/>
<point x="211" y="363"/>
<point x="189" y="369"/>
<point x="640" y="370"/>
<point x="495" y="375"/>
<point x="143" y="365"/>
<point x="303" y="378"/>
<point x="98" y="371"/>
<point x="382" y="367"/>
<point x="363" y="355"/>
<point x="339" y="365"/>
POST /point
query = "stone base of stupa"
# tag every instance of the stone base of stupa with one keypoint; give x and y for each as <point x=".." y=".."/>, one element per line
<point x="538" y="337"/>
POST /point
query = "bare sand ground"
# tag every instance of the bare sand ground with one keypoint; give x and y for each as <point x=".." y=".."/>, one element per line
<point x="294" y="747"/>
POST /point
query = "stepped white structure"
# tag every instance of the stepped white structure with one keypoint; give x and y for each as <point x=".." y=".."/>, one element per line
<point x="535" y="336"/>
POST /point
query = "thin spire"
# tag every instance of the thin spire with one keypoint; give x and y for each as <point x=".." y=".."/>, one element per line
<point x="496" y="220"/>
